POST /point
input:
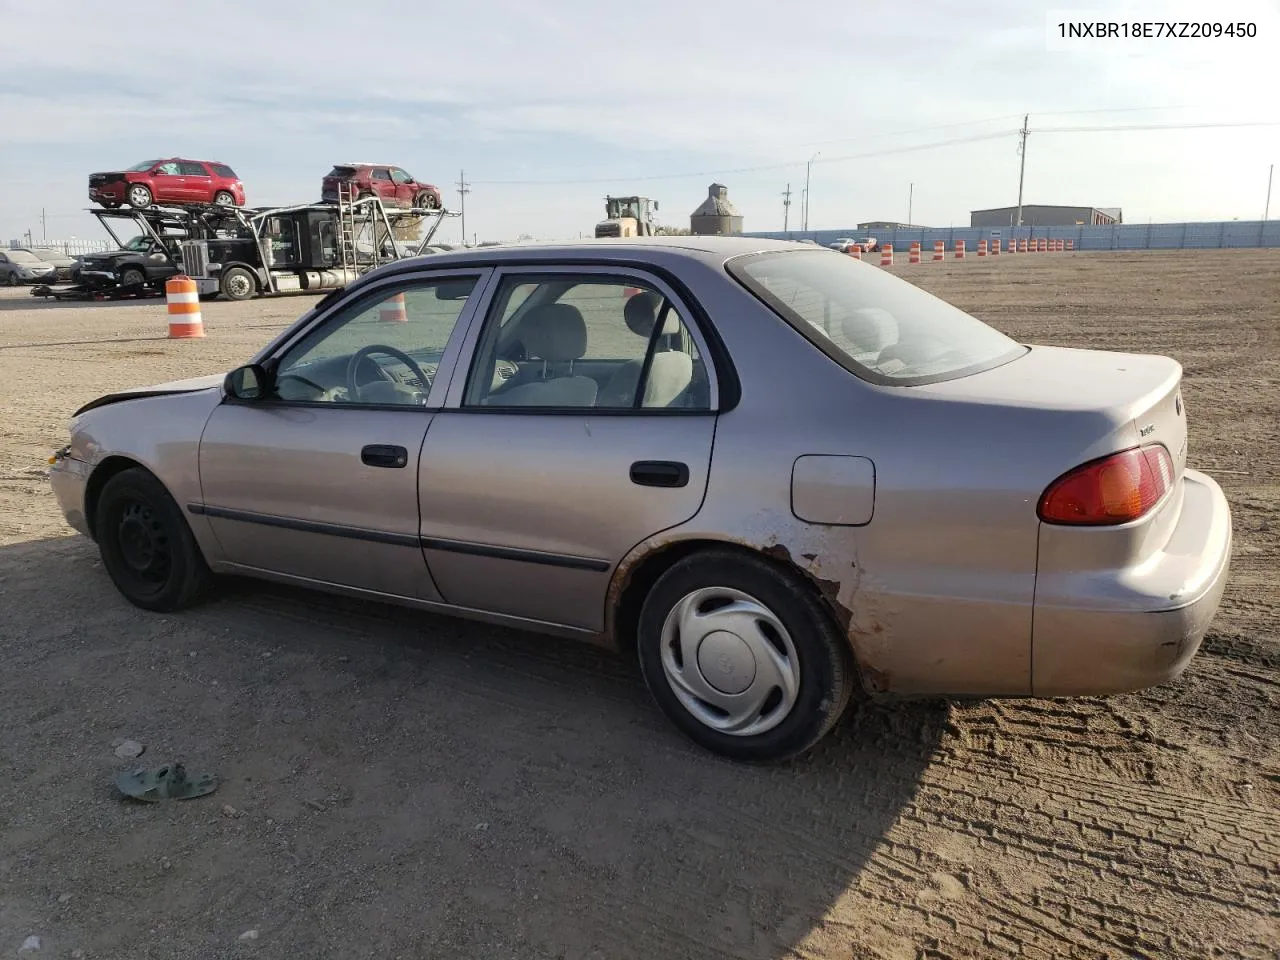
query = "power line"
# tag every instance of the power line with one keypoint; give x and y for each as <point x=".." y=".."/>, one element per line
<point x="1157" y="126"/>
<point x="789" y="165"/>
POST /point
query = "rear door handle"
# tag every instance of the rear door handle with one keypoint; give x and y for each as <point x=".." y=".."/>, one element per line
<point x="384" y="455"/>
<point x="659" y="473"/>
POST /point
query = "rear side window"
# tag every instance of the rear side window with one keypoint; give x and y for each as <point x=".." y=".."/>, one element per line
<point x="879" y="327"/>
<point x="222" y="170"/>
<point x="190" y="169"/>
<point x="381" y="175"/>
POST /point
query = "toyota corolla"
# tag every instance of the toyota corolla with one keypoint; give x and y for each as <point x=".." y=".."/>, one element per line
<point x="776" y="475"/>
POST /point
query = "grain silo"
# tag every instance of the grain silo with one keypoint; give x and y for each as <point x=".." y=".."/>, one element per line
<point x="716" y="215"/>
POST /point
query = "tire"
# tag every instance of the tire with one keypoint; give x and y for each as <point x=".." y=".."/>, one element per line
<point x="425" y="201"/>
<point x="812" y="651"/>
<point x="146" y="546"/>
<point x="132" y="277"/>
<point x="238" y="283"/>
<point x="139" y="196"/>
<point x="223" y="198"/>
<point x="11" y="279"/>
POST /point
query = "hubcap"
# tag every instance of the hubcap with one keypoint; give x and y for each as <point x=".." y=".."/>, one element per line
<point x="139" y="196"/>
<point x="238" y="285"/>
<point x="223" y="199"/>
<point x="730" y="661"/>
<point x="144" y="545"/>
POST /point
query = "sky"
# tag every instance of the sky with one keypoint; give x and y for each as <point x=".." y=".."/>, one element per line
<point x="906" y="110"/>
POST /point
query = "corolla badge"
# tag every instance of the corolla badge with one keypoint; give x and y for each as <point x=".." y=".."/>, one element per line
<point x="1146" y="431"/>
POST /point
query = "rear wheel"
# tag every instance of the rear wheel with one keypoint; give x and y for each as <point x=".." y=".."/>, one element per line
<point x="223" y="198"/>
<point x="238" y="283"/>
<point x="742" y="657"/>
<point x="139" y="196"/>
<point x="147" y="548"/>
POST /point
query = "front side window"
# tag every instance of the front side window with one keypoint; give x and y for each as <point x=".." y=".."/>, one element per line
<point x="168" y="169"/>
<point x="382" y="348"/>
<point x="879" y="327"/>
<point x="399" y="176"/>
<point x="568" y="342"/>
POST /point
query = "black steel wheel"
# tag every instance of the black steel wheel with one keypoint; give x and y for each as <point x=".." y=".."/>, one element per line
<point x="146" y="546"/>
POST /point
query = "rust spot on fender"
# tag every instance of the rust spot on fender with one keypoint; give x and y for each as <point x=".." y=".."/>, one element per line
<point x="876" y="681"/>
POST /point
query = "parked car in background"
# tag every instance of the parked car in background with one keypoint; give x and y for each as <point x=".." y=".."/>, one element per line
<point x="61" y="263"/>
<point x="139" y="263"/>
<point x="23" y="266"/>
<point x="841" y="244"/>
<point x="173" y="182"/>
<point x="393" y="185"/>
<point x="798" y="474"/>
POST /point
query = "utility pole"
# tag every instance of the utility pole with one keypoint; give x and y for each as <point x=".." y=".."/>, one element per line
<point x="786" y="211"/>
<point x="44" y="227"/>
<point x="1022" y="167"/>
<point x="463" y="190"/>
<point x="1267" y="209"/>
<point x="807" y="169"/>
<point x="911" y="195"/>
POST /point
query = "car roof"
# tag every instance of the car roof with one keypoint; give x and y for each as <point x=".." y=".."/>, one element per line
<point x="710" y="249"/>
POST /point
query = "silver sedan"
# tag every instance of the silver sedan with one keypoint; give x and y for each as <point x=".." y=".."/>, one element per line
<point x="776" y="475"/>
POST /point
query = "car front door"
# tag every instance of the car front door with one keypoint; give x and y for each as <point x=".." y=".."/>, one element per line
<point x="168" y="185"/>
<point x="581" y="425"/>
<point x="318" y="480"/>
<point x="405" y="187"/>
<point x="197" y="186"/>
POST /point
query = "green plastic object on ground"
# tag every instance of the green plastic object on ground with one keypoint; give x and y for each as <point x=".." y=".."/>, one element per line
<point x="169" y="782"/>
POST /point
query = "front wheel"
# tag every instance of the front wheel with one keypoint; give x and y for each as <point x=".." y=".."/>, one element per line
<point x="132" y="277"/>
<point x="238" y="284"/>
<point x="426" y="201"/>
<point x="742" y="656"/>
<point x="139" y="196"/>
<point x="147" y="548"/>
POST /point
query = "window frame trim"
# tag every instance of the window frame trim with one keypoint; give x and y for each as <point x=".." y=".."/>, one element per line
<point x="605" y="272"/>
<point x="372" y="293"/>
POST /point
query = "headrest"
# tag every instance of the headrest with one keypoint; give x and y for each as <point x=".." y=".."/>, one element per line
<point x="641" y="313"/>
<point x="870" y="330"/>
<point x="555" y="332"/>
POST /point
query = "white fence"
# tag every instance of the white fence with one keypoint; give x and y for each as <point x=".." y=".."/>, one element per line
<point x="72" y="248"/>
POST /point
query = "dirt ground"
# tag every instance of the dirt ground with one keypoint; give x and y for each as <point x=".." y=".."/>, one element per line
<point x="404" y="785"/>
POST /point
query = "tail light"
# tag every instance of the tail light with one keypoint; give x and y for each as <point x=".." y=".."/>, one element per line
<point x="1112" y="490"/>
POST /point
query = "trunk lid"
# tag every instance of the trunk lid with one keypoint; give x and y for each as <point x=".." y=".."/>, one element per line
<point x="1092" y="402"/>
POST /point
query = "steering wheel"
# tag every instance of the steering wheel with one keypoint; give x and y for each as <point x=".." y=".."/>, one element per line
<point x="353" y="365"/>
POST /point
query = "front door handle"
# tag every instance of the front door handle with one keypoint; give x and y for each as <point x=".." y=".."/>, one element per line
<point x="384" y="455"/>
<point x="659" y="473"/>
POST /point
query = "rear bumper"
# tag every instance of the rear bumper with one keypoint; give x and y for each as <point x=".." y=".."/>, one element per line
<point x="69" y="477"/>
<point x="1114" y="631"/>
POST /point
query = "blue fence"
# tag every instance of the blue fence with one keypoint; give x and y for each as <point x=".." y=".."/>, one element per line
<point x="1120" y="236"/>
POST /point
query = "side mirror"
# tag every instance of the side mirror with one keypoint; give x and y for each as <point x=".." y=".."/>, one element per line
<point x="250" y="382"/>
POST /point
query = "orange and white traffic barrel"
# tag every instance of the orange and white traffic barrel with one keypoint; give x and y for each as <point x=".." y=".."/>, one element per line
<point x="914" y="253"/>
<point x="995" y="247"/>
<point x="393" y="310"/>
<point x="1071" y="244"/>
<point x="855" y="251"/>
<point x="886" y="255"/>
<point x="982" y="248"/>
<point x="959" y="249"/>
<point x="1044" y="246"/>
<point x="182" y="297"/>
<point x="939" y="250"/>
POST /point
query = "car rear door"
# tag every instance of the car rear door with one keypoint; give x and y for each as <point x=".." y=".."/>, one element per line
<point x="383" y="186"/>
<point x="542" y="472"/>
<point x="197" y="184"/>
<point x="318" y="484"/>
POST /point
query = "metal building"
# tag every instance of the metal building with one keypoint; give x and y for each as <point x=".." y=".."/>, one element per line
<point x="1042" y="215"/>
<point x="716" y="214"/>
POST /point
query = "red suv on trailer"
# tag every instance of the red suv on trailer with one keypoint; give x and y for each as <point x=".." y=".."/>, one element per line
<point x="172" y="181"/>
<point x="391" y="184"/>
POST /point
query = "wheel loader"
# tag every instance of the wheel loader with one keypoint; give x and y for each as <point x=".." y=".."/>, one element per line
<point x="628" y="217"/>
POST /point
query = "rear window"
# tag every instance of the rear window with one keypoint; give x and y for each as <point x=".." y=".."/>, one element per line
<point x="222" y="170"/>
<point x="879" y="327"/>
<point x="342" y="172"/>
